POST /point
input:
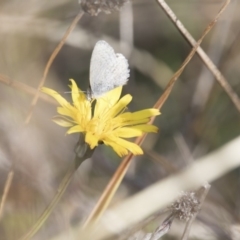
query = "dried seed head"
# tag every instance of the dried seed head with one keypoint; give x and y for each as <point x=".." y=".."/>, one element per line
<point x="93" y="7"/>
<point x="185" y="206"/>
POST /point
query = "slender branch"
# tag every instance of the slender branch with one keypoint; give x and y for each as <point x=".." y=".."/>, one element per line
<point x="208" y="62"/>
<point x="49" y="63"/>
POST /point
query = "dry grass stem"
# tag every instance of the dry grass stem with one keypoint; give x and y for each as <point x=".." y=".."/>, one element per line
<point x="208" y="62"/>
<point x="49" y="63"/>
<point x="114" y="183"/>
<point x="5" y="191"/>
<point x="25" y="88"/>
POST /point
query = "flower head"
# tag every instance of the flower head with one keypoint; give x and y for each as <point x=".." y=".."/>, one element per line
<point x="185" y="206"/>
<point x="104" y="121"/>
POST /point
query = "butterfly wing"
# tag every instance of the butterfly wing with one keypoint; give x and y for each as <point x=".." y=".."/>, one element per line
<point x="107" y="69"/>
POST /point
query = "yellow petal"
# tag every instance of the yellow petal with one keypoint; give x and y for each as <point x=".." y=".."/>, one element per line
<point x="147" y="113"/>
<point x="127" y="132"/>
<point x="119" y="106"/>
<point x="78" y="96"/>
<point x="91" y="139"/>
<point x="113" y="96"/>
<point x="75" y="129"/>
<point x="118" y="122"/>
<point x="104" y="103"/>
<point x="75" y="92"/>
<point x="132" y="147"/>
<point x="67" y="112"/>
<point x="62" y="122"/>
<point x="107" y="101"/>
<point x="146" y="128"/>
<point x="121" y="151"/>
<point x="62" y="101"/>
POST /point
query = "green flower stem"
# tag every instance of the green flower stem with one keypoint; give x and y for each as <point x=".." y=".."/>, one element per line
<point x="83" y="152"/>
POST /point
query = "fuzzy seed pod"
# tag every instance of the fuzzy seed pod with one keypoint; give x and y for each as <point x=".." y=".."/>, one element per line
<point x="185" y="206"/>
<point x="93" y="7"/>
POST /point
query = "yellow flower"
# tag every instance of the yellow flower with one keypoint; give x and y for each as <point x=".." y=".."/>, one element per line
<point x="106" y="121"/>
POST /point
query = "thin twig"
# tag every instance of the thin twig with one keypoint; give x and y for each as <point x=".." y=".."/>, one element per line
<point x="49" y="63"/>
<point x="208" y="62"/>
<point x="201" y="195"/>
<point x="25" y="88"/>
<point x="116" y="180"/>
<point x="5" y="191"/>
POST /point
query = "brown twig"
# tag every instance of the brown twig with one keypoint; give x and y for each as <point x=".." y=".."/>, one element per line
<point x="208" y="62"/>
<point x="112" y="186"/>
<point x="5" y="191"/>
<point x="49" y="63"/>
<point x="25" y="88"/>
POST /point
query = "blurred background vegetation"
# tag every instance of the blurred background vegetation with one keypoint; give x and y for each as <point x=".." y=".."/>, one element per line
<point x="198" y="117"/>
